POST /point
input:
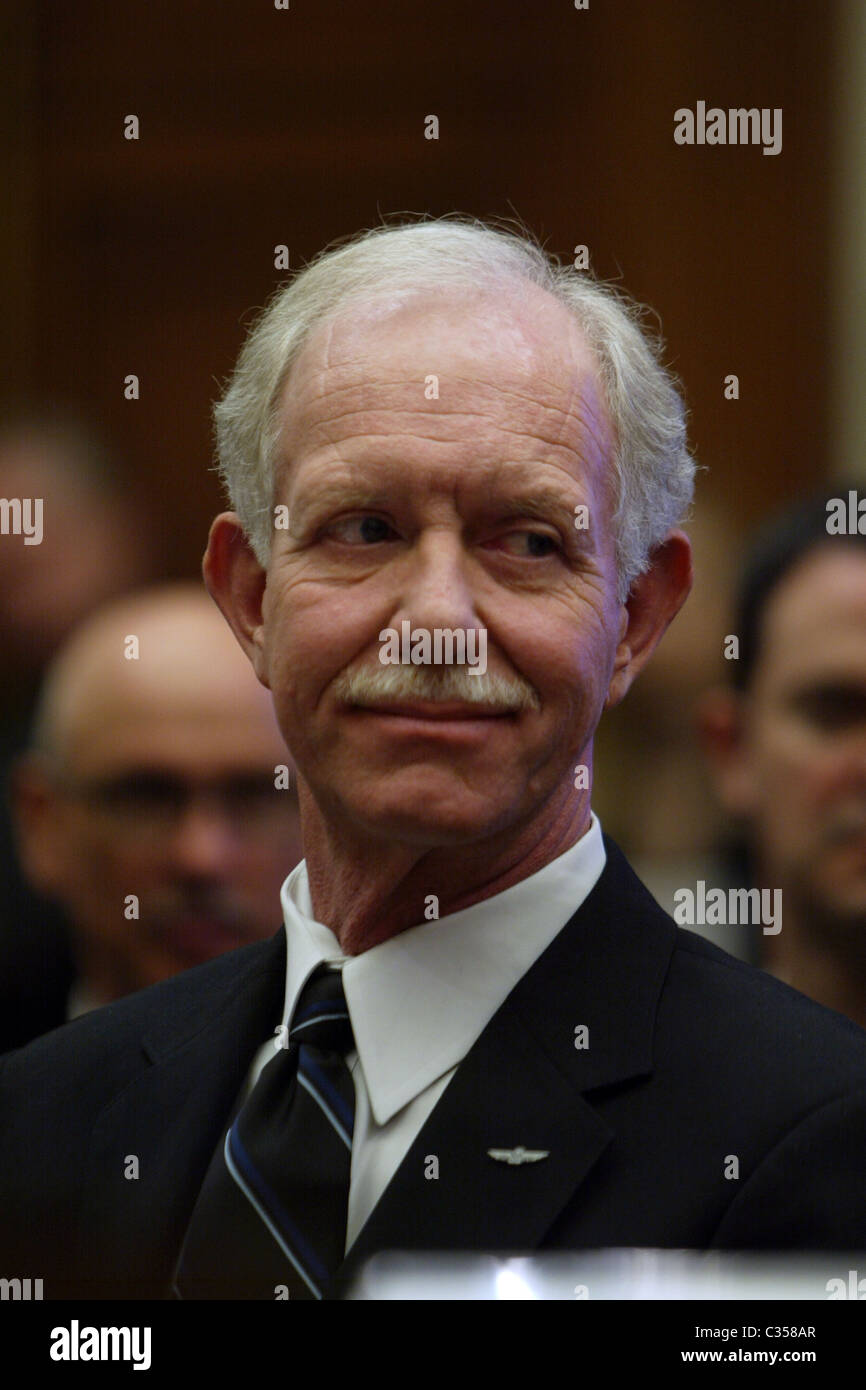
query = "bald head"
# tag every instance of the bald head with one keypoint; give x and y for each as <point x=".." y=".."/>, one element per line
<point x="162" y="656"/>
<point x="158" y="777"/>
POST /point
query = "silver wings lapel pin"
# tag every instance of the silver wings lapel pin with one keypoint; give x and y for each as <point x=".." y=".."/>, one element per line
<point x="518" y="1155"/>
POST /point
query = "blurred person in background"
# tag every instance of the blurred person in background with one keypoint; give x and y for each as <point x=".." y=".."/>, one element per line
<point x="91" y="546"/>
<point x="148" y="804"/>
<point x="787" y="745"/>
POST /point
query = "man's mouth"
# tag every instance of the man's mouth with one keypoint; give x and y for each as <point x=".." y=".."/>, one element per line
<point x="437" y="710"/>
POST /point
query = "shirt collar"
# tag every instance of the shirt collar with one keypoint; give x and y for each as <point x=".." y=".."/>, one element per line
<point x="419" y="1000"/>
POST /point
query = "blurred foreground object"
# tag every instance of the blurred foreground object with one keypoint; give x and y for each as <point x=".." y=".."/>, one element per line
<point x="595" y="1275"/>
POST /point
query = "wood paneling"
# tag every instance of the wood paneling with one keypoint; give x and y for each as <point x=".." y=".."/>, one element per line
<point x="261" y="126"/>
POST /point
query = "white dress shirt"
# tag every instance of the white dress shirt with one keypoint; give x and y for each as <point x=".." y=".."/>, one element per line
<point x="419" y="1000"/>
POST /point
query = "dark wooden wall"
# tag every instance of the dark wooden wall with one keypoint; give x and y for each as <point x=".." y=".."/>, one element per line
<point x="261" y="126"/>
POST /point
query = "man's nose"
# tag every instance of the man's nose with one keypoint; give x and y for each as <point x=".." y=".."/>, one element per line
<point x="439" y="590"/>
<point x="205" y="840"/>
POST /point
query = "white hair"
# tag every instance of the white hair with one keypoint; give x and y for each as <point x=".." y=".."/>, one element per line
<point x="653" y="470"/>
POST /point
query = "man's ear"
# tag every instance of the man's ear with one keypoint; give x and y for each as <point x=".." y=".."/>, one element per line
<point x="38" y="824"/>
<point x="655" y="598"/>
<point x="721" y="722"/>
<point x="236" y="582"/>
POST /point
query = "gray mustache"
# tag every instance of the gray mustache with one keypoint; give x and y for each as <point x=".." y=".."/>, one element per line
<point x="510" y="694"/>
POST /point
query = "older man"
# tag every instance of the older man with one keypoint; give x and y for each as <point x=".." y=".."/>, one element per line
<point x="155" y="805"/>
<point x="484" y="1034"/>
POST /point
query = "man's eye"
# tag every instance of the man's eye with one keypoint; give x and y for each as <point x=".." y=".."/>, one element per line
<point x="833" y="711"/>
<point x="368" y="529"/>
<point x="136" y="794"/>
<point x="535" y="545"/>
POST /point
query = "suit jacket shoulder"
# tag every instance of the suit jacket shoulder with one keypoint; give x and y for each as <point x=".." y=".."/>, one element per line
<point x="738" y="1011"/>
<point x="152" y="1076"/>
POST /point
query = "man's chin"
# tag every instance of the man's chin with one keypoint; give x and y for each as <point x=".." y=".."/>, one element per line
<point x="418" y="806"/>
<point x="426" y="826"/>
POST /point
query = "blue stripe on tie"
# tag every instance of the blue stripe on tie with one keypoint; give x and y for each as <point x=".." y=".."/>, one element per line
<point x="251" y="1198"/>
<point x="321" y="1006"/>
<point x="307" y="1021"/>
<point x="325" y="1108"/>
<point x="328" y="1094"/>
<point x="234" y="1149"/>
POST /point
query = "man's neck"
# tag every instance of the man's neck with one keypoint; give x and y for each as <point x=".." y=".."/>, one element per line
<point x="368" y="890"/>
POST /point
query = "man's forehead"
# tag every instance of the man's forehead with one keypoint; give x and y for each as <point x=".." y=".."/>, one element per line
<point x="518" y="352"/>
<point x="817" y="615"/>
<point x="522" y="324"/>
<point x="828" y="582"/>
<point x="175" y="728"/>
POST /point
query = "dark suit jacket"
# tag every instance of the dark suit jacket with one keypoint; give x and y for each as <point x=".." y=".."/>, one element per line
<point x="694" y="1059"/>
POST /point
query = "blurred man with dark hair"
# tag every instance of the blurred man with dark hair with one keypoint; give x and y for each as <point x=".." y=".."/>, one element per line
<point x="788" y="745"/>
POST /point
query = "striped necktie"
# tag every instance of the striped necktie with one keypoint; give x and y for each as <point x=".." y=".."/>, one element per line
<point x="270" y="1219"/>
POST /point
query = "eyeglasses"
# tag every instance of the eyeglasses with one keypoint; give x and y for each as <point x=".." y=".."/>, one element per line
<point x="154" y="803"/>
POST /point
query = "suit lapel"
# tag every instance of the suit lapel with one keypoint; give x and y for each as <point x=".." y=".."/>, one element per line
<point x="524" y="1082"/>
<point x="169" y="1119"/>
<point x="506" y="1093"/>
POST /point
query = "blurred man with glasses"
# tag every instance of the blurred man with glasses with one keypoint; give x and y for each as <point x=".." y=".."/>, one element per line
<point x="157" y="803"/>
